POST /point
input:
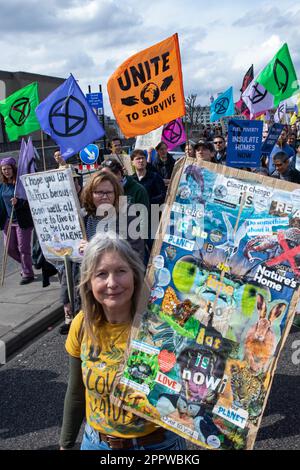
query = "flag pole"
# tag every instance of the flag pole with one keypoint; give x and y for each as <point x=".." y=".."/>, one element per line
<point x="186" y="130"/>
<point x="43" y="150"/>
<point x="5" y="254"/>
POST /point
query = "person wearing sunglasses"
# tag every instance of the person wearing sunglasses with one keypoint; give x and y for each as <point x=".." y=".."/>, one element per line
<point x="220" y="150"/>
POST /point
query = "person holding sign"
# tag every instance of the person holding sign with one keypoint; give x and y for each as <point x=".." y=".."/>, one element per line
<point x="16" y="213"/>
<point x="283" y="169"/>
<point x="111" y="282"/>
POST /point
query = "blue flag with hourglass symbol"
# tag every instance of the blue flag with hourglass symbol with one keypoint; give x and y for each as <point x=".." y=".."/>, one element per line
<point x="66" y="116"/>
<point x="222" y="106"/>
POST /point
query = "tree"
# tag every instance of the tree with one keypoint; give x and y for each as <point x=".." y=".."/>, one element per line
<point x="193" y="111"/>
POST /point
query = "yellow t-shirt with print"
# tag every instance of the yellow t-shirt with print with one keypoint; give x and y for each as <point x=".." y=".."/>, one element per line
<point x="99" y="368"/>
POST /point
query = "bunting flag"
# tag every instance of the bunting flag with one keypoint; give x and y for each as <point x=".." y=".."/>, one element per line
<point x="26" y="165"/>
<point x="279" y="77"/>
<point x="257" y="98"/>
<point x="222" y="106"/>
<point x="297" y="105"/>
<point x="280" y="115"/>
<point x="293" y="118"/>
<point x="146" y="91"/>
<point x="66" y="116"/>
<point x="173" y="134"/>
<point x="18" y="112"/>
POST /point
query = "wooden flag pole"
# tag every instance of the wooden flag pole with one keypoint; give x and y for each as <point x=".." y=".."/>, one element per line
<point x="43" y="150"/>
<point x="69" y="278"/>
<point x="5" y="254"/>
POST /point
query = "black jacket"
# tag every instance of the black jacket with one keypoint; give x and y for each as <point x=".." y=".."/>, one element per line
<point x="154" y="185"/>
<point x="22" y="211"/>
<point x="292" y="175"/>
<point x="164" y="169"/>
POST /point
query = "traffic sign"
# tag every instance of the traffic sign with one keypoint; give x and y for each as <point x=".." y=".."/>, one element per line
<point x="95" y="100"/>
<point x="89" y="154"/>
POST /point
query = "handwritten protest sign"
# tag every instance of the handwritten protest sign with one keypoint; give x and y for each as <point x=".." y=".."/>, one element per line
<point x="150" y="140"/>
<point x="244" y="143"/>
<point x="55" y="211"/>
<point x="224" y="283"/>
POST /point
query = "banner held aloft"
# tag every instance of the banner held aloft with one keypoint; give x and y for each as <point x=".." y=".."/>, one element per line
<point x="146" y="91"/>
<point x="18" y="111"/>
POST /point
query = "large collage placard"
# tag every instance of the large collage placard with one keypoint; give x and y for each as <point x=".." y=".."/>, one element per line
<point x="55" y="211"/>
<point x="223" y="285"/>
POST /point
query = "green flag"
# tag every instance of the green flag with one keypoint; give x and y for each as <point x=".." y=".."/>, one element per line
<point x="18" y="111"/>
<point x="279" y="76"/>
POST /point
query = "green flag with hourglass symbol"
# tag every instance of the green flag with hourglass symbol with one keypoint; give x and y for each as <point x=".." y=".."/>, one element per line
<point x="279" y="76"/>
<point x="18" y="111"/>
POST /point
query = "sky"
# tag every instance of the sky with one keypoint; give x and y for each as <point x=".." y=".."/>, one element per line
<point x="90" y="38"/>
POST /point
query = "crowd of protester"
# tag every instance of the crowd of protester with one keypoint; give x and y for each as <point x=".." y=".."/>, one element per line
<point x="109" y="276"/>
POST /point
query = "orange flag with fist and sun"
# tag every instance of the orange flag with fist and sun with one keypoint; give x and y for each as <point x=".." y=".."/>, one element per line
<point x="146" y="91"/>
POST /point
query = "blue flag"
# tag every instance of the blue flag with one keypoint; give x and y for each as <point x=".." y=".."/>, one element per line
<point x="26" y="165"/>
<point x="66" y="116"/>
<point x="222" y="106"/>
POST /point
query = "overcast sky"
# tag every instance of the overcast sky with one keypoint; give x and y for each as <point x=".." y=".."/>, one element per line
<point x="90" y="38"/>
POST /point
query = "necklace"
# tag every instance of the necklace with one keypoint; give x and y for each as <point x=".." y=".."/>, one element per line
<point x="114" y="340"/>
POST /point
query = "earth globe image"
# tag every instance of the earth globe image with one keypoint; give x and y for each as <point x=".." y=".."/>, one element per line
<point x="150" y="93"/>
<point x="185" y="273"/>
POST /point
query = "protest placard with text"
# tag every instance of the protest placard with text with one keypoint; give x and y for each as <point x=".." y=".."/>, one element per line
<point x="55" y="211"/>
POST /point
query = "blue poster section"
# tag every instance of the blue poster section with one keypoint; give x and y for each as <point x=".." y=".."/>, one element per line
<point x="244" y="143"/>
<point x="271" y="139"/>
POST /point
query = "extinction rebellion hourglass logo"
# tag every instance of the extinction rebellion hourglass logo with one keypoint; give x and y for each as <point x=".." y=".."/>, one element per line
<point x="19" y="111"/>
<point x="68" y="117"/>
<point x="222" y="105"/>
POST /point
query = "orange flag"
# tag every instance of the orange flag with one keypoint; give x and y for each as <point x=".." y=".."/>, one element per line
<point x="146" y="91"/>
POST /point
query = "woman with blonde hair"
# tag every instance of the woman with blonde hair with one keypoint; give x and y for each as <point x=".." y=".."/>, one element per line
<point x="111" y="282"/>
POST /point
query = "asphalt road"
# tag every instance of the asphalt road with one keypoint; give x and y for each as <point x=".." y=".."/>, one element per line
<point x="33" y="386"/>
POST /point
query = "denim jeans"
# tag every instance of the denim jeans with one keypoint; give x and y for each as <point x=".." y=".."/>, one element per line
<point x="91" y="441"/>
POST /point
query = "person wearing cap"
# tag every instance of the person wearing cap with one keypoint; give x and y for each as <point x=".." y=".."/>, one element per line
<point x="283" y="170"/>
<point x="19" y="242"/>
<point x="204" y="152"/>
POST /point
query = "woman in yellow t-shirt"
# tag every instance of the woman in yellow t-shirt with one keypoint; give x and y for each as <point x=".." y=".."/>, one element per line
<point x="111" y="280"/>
